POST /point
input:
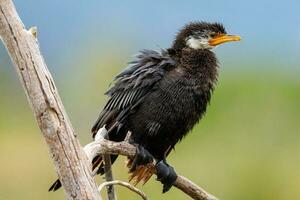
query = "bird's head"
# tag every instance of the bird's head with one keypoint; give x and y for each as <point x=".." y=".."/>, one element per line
<point x="202" y="35"/>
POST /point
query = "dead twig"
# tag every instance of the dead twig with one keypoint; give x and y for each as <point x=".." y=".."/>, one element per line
<point x="125" y="184"/>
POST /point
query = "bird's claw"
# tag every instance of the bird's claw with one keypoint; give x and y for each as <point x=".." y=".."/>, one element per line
<point x="142" y="157"/>
<point x="166" y="175"/>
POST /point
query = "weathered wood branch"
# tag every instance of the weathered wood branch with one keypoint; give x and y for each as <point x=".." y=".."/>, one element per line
<point x="111" y="194"/>
<point x="125" y="184"/>
<point x="69" y="159"/>
<point x="102" y="146"/>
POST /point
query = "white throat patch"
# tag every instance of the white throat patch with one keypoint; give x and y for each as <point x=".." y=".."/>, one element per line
<point x="195" y="43"/>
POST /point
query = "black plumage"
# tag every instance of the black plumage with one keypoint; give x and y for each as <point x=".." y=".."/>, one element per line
<point x="161" y="95"/>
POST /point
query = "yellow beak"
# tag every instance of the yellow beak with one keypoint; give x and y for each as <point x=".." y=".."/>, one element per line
<point x="219" y="39"/>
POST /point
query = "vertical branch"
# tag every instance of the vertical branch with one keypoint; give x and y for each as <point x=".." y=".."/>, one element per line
<point x="69" y="159"/>
<point x="111" y="194"/>
<point x="109" y="177"/>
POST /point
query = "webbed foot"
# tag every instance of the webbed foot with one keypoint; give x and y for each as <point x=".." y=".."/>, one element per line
<point x="166" y="175"/>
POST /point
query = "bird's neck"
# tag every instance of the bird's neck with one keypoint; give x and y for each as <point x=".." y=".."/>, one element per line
<point x="201" y="67"/>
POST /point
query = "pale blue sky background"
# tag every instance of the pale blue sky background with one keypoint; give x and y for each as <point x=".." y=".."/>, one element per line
<point x="270" y="29"/>
<point x="86" y="43"/>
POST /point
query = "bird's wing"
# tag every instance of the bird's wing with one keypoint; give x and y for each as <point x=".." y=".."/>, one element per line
<point x="133" y="84"/>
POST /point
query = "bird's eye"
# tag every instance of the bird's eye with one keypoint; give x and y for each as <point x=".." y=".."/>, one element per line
<point x="213" y="34"/>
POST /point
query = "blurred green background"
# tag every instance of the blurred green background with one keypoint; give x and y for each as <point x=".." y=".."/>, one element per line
<point x="247" y="146"/>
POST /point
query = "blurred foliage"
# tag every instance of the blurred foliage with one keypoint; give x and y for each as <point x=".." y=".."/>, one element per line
<point x="246" y="147"/>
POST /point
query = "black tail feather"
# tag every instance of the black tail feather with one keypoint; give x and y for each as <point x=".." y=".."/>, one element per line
<point x="96" y="161"/>
<point x="116" y="133"/>
<point x="55" y="186"/>
<point x="100" y="169"/>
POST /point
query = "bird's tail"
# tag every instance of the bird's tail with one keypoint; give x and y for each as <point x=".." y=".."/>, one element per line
<point x="55" y="186"/>
<point x="141" y="174"/>
<point x="116" y="132"/>
<point x="97" y="162"/>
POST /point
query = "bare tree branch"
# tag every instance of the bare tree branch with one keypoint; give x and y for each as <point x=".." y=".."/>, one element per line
<point x="68" y="156"/>
<point x="125" y="184"/>
<point x="103" y="146"/>
<point x="111" y="194"/>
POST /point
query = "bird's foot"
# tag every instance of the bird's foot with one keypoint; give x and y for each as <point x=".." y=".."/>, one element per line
<point x="142" y="157"/>
<point x="166" y="175"/>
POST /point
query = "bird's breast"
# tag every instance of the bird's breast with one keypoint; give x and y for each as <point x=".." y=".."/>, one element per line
<point x="176" y="104"/>
<point x="168" y="113"/>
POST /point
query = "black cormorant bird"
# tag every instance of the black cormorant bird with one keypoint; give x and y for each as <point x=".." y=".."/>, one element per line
<point x="159" y="98"/>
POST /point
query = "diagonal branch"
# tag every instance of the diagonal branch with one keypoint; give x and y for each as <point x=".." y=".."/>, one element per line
<point x="103" y="146"/>
<point x="68" y="156"/>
